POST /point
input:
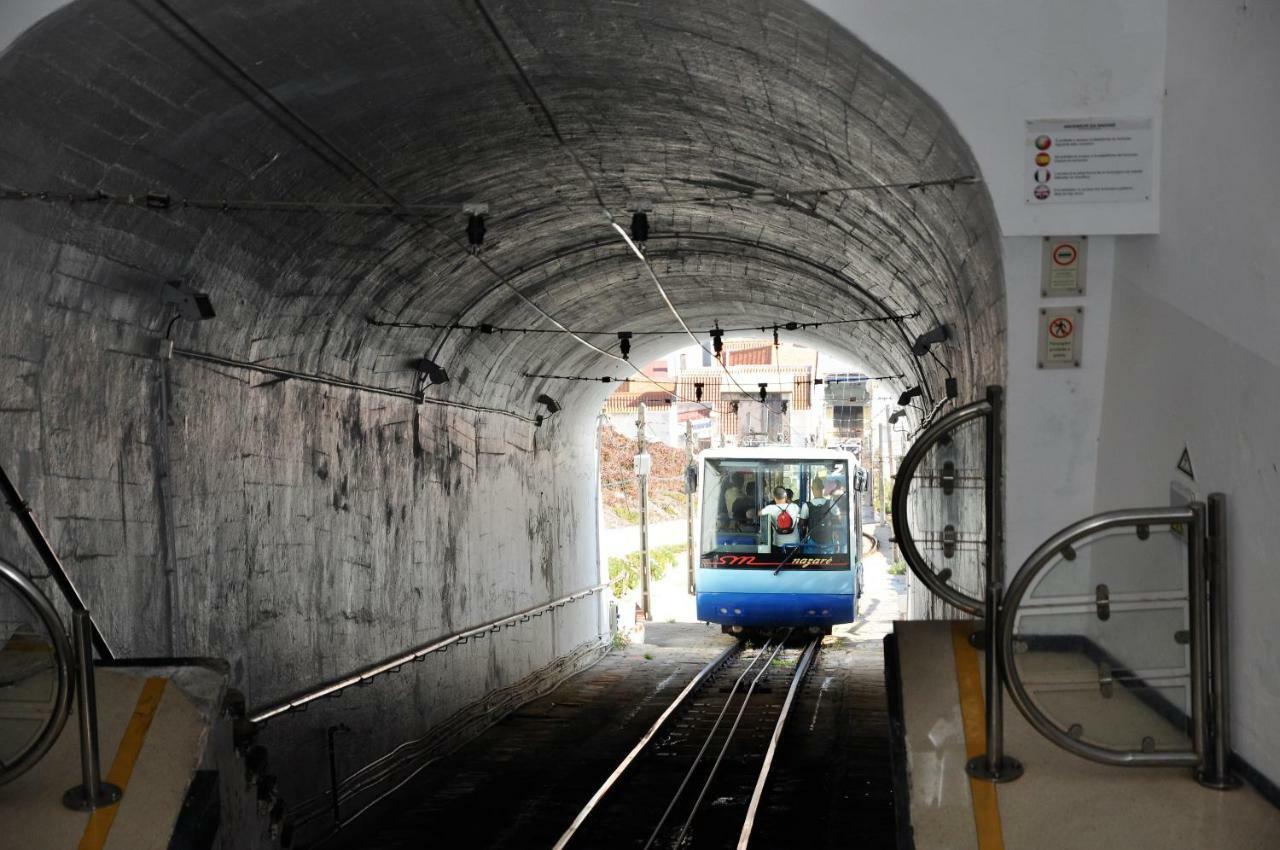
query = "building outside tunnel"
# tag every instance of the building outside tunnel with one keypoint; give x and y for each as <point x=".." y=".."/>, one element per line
<point x="309" y="311"/>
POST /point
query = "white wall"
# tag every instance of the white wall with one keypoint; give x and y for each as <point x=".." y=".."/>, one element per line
<point x="1054" y="415"/>
<point x="993" y="64"/>
<point x="1188" y="353"/>
<point x="1195" y="356"/>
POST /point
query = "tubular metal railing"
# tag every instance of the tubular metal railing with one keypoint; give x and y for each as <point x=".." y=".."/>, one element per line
<point x="13" y="765"/>
<point x="363" y="675"/>
<point x="57" y="572"/>
<point x="1203" y="526"/>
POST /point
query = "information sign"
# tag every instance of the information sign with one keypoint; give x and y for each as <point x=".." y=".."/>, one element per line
<point x="1061" y="332"/>
<point x="1088" y="160"/>
<point x="1062" y="265"/>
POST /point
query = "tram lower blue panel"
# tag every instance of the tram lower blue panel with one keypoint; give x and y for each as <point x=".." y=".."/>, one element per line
<point x="776" y="609"/>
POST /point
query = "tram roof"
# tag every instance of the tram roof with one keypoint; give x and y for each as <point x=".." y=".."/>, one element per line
<point x="783" y="452"/>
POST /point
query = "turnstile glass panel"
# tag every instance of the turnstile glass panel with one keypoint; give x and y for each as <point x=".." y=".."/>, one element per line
<point x="1102" y="640"/>
<point x="946" y="508"/>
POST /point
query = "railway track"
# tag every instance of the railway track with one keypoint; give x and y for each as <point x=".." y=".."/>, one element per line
<point x="697" y="776"/>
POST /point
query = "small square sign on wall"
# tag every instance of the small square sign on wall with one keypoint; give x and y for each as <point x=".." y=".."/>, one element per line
<point x="1061" y="332"/>
<point x="1062" y="265"/>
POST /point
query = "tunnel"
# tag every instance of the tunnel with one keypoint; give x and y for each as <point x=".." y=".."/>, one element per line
<point x="282" y="484"/>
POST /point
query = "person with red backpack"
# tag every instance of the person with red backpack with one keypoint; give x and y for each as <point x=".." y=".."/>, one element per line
<point x="782" y="520"/>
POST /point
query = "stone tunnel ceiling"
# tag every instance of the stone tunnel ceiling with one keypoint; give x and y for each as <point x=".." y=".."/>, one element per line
<point x="668" y="102"/>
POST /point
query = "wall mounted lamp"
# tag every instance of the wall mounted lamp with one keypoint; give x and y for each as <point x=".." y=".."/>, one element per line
<point x="926" y="340"/>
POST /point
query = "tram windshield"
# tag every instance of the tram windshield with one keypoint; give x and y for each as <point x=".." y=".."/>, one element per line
<point x="737" y="519"/>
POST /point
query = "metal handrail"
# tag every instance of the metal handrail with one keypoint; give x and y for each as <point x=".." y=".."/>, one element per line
<point x="902" y="529"/>
<point x="51" y="561"/>
<point x="11" y="576"/>
<point x="363" y="675"/>
<point x="1191" y="515"/>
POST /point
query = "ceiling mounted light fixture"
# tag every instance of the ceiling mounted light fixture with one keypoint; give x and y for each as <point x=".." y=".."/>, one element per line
<point x="549" y="403"/>
<point x="697" y="392"/>
<point x="429" y="372"/>
<point x="192" y="306"/>
<point x="764" y="391"/>
<point x="717" y="340"/>
<point x="907" y="395"/>
<point x="929" y="339"/>
<point x="624" y="343"/>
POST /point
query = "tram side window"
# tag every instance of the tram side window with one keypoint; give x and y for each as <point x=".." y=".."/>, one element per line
<point x="730" y="505"/>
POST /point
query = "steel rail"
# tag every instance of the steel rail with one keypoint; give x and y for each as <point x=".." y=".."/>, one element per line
<point x="604" y="789"/>
<point x="711" y="732"/>
<point x="802" y="668"/>
<point x="389" y="665"/>
<point x="728" y="739"/>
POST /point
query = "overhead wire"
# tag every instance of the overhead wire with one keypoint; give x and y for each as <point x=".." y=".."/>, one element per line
<point x="595" y="188"/>
<point x="343" y="157"/>
<point x="787" y="326"/>
<point x="336" y="157"/>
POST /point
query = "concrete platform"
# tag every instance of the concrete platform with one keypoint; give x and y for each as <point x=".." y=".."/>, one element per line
<point x="154" y="727"/>
<point x="1062" y="802"/>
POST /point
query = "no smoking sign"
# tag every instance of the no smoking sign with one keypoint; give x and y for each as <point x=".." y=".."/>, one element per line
<point x="1061" y="332"/>
<point x="1062" y="266"/>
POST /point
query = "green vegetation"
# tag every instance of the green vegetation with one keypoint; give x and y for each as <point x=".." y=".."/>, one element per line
<point x="620" y="640"/>
<point x="624" y="571"/>
<point x="899" y="568"/>
<point x="648" y="656"/>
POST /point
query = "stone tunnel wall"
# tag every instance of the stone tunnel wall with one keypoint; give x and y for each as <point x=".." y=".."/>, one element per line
<point x="295" y="529"/>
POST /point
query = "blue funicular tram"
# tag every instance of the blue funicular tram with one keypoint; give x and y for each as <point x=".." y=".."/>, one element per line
<point x="753" y="575"/>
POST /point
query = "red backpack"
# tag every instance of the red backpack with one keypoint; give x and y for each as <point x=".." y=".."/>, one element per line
<point x="785" y="523"/>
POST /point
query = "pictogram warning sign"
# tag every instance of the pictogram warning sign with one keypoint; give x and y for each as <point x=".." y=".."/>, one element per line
<point x="1184" y="464"/>
<point x="1061" y="332"/>
<point x="1062" y="265"/>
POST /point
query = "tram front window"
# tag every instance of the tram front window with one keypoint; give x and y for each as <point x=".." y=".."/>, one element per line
<point x="735" y="492"/>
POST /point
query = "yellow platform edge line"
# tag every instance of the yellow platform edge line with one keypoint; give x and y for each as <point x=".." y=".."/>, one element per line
<point x="986" y="807"/>
<point x="96" y="831"/>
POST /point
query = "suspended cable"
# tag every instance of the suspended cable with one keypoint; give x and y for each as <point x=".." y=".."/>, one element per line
<point x="162" y="201"/>
<point x="343" y="157"/>
<point x="338" y="382"/>
<point x="796" y="194"/>
<point x="595" y="188"/>
<point x="501" y="329"/>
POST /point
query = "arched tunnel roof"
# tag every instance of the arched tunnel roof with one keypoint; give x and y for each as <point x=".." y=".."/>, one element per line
<point x="551" y="113"/>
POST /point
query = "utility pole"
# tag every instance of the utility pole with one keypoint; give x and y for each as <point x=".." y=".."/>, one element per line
<point x="642" y="471"/>
<point x="689" y="490"/>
